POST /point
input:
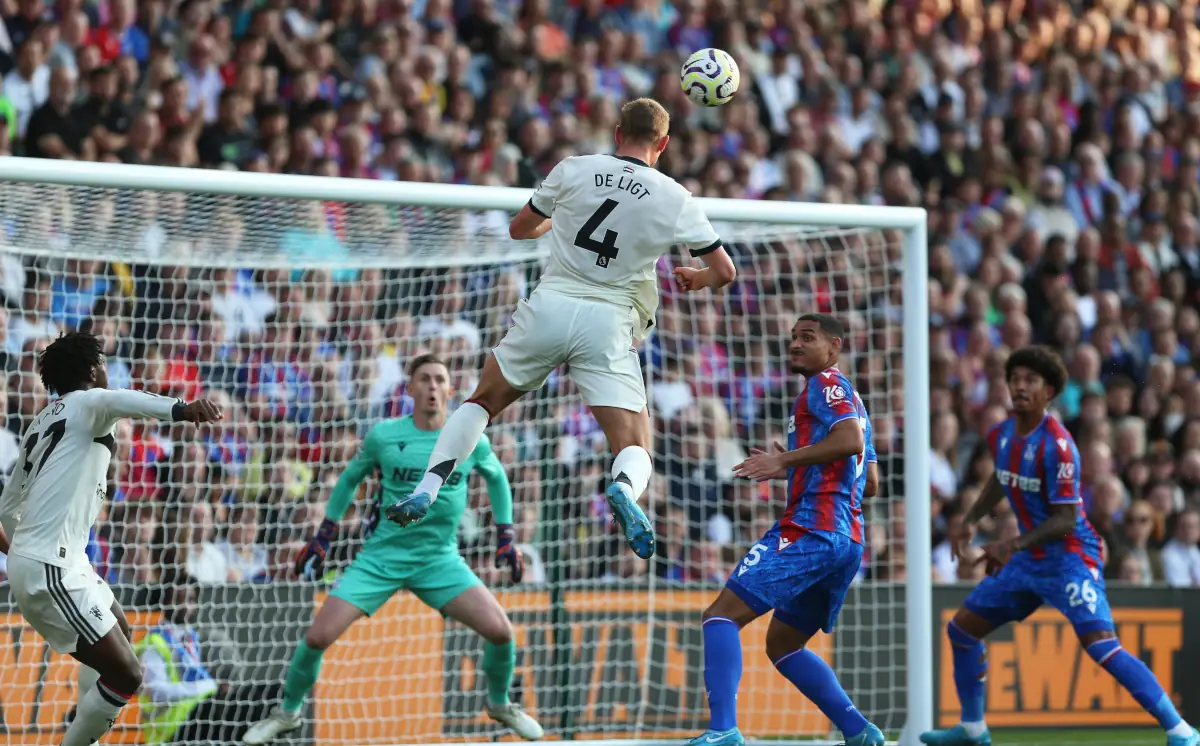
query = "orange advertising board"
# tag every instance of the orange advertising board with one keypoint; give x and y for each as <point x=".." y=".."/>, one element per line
<point x="635" y="662"/>
<point x="1041" y="677"/>
<point x="38" y="687"/>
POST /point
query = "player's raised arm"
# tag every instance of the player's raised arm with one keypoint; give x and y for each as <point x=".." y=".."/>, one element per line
<point x="310" y="563"/>
<point x="533" y="221"/>
<point x="694" y="231"/>
<point x="115" y="404"/>
<point x="500" y="495"/>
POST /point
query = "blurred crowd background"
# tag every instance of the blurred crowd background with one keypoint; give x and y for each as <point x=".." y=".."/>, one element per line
<point x="1055" y="144"/>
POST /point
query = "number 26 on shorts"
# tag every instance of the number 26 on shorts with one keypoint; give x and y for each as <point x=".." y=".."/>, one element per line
<point x="1079" y="594"/>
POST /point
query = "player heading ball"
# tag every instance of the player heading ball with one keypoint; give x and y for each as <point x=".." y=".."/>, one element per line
<point x="609" y="218"/>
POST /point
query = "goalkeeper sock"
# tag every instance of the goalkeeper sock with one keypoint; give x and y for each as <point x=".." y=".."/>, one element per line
<point x="722" y="670"/>
<point x="498" y="664"/>
<point x="1137" y="678"/>
<point x="970" y="671"/>
<point x="817" y="681"/>
<point x="458" y="438"/>
<point x="635" y="466"/>
<point x="97" y="713"/>
<point x="301" y="676"/>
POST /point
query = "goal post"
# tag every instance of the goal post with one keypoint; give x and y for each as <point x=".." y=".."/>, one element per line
<point x="610" y="650"/>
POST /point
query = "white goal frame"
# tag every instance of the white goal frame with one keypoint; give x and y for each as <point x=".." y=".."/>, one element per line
<point x="909" y="221"/>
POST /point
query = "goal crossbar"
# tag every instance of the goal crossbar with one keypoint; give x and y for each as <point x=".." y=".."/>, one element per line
<point x="911" y="222"/>
<point x="458" y="196"/>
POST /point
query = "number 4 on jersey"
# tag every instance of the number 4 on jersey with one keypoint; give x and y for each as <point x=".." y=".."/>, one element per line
<point x="605" y="250"/>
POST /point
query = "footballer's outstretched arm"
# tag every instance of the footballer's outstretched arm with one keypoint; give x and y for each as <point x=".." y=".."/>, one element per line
<point x="499" y="489"/>
<point x="528" y="224"/>
<point x="360" y="467"/>
<point x="115" y="404"/>
<point x="533" y="221"/>
<point x="718" y="271"/>
<point x="3" y="541"/>
<point x="845" y="439"/>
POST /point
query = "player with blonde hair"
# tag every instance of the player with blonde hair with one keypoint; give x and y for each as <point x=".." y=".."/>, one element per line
<point x="609" y="219"/>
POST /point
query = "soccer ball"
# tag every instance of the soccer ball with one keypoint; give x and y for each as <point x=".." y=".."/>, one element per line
<point x="710" y="77"/>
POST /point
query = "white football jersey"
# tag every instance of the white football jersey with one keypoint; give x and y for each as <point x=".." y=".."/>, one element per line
<point x="613" y="217"/>
<point x="59" y="481"/>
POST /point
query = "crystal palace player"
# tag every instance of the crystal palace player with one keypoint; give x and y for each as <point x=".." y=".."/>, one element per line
<point x="48" y="508"/>
<point x="614" y="216"/>
<point x="803" y="566"/>
<point x="1056" y="560"/>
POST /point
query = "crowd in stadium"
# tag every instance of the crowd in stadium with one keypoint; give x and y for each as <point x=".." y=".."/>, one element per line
<point x="1056" y="146"/>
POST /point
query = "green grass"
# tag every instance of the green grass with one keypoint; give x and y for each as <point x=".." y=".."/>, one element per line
<point x="1097" y="736"/>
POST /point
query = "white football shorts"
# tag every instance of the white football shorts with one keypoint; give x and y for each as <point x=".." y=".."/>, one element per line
<point x="593" y="337"/>
<point x="64" y="604"/>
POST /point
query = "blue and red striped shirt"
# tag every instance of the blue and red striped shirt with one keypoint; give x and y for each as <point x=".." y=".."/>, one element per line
<point x="826" y="497"/>
<point x="1040" y="470"/>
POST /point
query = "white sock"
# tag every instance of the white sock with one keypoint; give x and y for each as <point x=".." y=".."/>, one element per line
<point x="634" y="462"/>
<point x="95" y="716"/>
<point x="1183" y="729"/>
<point x="88" y="677"/>
<point x="975" y="730"/>
<point x="456" y="441"/>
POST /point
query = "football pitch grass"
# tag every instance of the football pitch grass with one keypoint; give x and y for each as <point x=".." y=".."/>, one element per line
<point x="1098" y="736"/>
<point x="1074" y="737"/>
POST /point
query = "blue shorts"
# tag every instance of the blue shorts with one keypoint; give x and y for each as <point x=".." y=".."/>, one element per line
<point x="805" y="582"/>
<point x="1024" y="584"/>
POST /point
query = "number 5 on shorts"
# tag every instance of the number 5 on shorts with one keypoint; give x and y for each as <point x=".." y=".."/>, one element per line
<point x="753" y="557"/>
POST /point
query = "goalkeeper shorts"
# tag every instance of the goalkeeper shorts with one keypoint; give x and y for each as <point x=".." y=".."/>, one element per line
<point x="371" y="580"/>
<point x="595" y="338"/>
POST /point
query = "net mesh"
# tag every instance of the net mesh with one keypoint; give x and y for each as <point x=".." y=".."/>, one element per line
<point x="299" y="317"/>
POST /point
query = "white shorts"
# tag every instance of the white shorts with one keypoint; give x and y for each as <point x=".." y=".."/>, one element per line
<point x="593" y="337"/>
<point x="64" y="604"/>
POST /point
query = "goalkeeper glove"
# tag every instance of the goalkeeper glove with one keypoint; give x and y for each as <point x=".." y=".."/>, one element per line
<point x="311" y="562"/>
<point x="507" y="552"/>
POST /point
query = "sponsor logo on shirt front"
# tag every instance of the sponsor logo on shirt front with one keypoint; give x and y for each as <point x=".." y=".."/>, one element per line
<point x="1027" y="484"/>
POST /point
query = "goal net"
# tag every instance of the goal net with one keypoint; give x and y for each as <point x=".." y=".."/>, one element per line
<point x="296" y="304"/>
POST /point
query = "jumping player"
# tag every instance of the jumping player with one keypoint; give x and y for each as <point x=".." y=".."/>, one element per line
<point x="804" y="565"/>
<point x="1056" y="559"/>
<point x="423" y="560"/>
<point x="47" y="510"/>
<point x="613" y="217"/>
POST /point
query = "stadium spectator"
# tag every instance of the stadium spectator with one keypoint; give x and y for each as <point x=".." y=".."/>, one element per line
<point x="1061" y="170"/>
<point x="1180" y="555"/>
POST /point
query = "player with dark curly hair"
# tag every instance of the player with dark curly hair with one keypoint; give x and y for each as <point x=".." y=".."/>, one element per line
<point x="48" y="507"/>
<point x="1057" y="559"/>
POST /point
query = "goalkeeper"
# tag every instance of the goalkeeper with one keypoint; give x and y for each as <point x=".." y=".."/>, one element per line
<point x="422" y="559"/>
